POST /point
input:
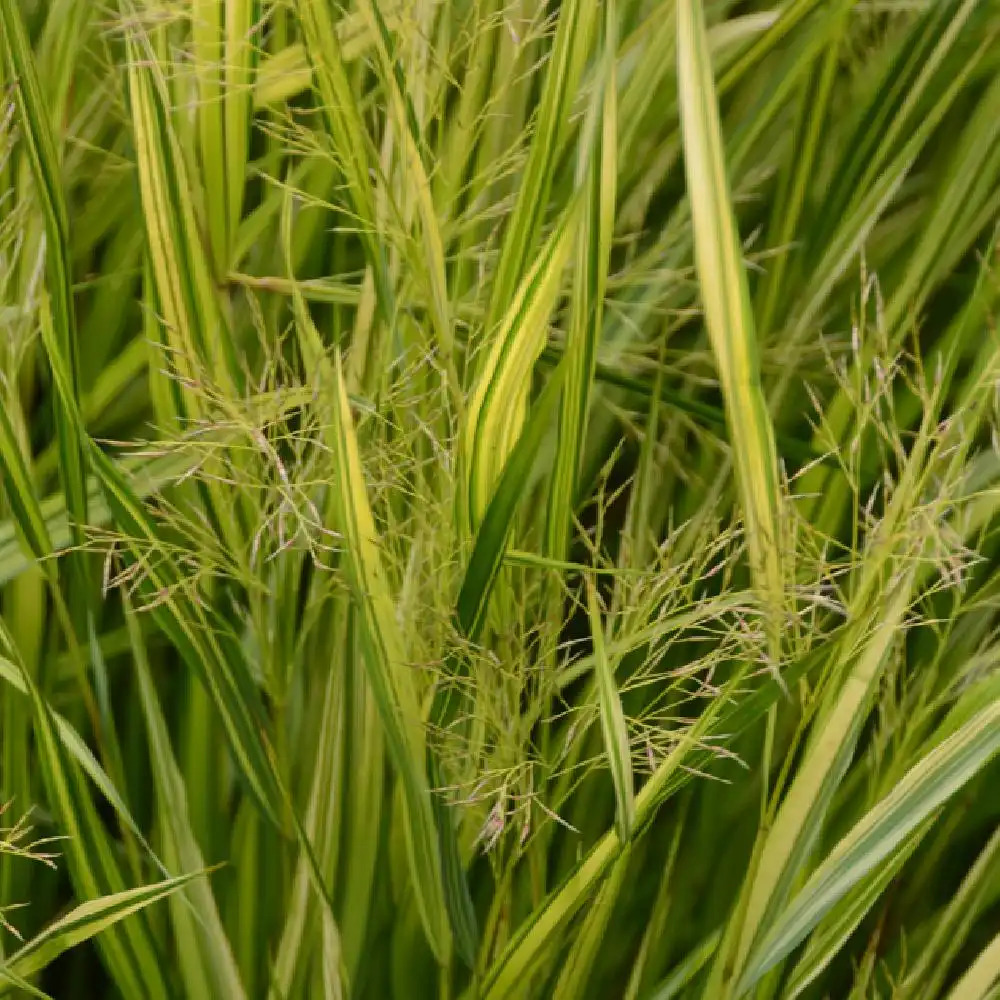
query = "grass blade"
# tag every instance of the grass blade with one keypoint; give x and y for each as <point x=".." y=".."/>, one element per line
<point x="388" y="672"/>
<point x="29" y="523"/>
<point x="94" y="867"/>
<point x="844" y="917"/>
<point x="497" y="404"/>
<point x="347" y="129"/>
<point x="57" y="314"/>
<point x="81" y="754"/>
<point x="190" y="311"/>
<point x="728" y="315"/>
<point x="416" y="177"/>
<point x="494" y="532"/>
<point x="981" y="978"/>
<point x="207" y="961"/>
<point x="924" y="789"/>
<point x="204" y="640"/>
<point x="599" y="170"/>
<point x="89" y="919"/>
<point x="577" y="19"/>
<point x="616" y="739"/>
<point x="578" y="967"/>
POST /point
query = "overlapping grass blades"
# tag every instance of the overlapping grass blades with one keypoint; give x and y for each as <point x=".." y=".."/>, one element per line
<point x="506" y="492"/>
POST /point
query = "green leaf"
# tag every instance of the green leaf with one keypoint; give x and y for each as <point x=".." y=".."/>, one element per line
<point x="88" y="920"/>
<point x="925" y="788"/>
<point x="492" y="537"/>
<point x="981" y="978"/>
<point x="191" y="316"/>
<point x="616" y="738"/>
<point x="200" y="635"/>
<point x="496" y="408"/>
<point x="206" y="958"/>
<point x="346" y="127"/>
<point x="585" y="949"/>
<point x="842" y="920"/>
<point x="388" y="671"/>
<point x="93" y="865"/>
<point x="58" y="317"/>
<point x="598" y="170"/>
<point x="728" y="315"/>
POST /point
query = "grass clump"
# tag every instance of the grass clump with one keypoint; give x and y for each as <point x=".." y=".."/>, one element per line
<point x="500" y="498"/>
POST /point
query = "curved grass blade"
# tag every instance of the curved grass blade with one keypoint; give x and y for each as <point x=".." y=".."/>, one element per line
<point x="319" y="824"/>
<point x="458" y="898"/>
<point x="730" y="714"/>
<point x="363" y="809"/>
<point x="528" y="946"/>
<point x="391" y="683"/>
<point x="711" y="416"/>
<point x="686" y="970"/>
<point x="896" y="100"/>
<point x="416" y="177"/>
<point x="224" y="62"/>
<point x="88" y="920"/>
<point x="852" y="685"/>
<point x="840" y="250"/>
<point x="146" y="475"/>
<point x="78" y="750"/>
<point x="495" y="530"/>
<point x="240" y="24"/>
<point x="495" y="413"/>
<point x="11" y="978"/>
<point x="796" y="827"/>
<point x="923" y="790"/>
<point x="843" y="919"/>
<point x="29" y="523"/>
<point x="647" y="969"/>
<point x="578" y="965"/>
<point x="925" y="981"/>
<point x="728" y="315"/>
<point x="812" y="115"/>
<point x="570" y="50"/>
<point x="208" y="60"/>
<point x="286" y="73"/>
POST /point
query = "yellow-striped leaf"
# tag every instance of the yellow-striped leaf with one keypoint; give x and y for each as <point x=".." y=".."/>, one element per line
<point x="728" y="316"/>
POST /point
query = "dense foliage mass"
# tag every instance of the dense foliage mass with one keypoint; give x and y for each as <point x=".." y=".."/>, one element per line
<point x="500" y="499"/>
